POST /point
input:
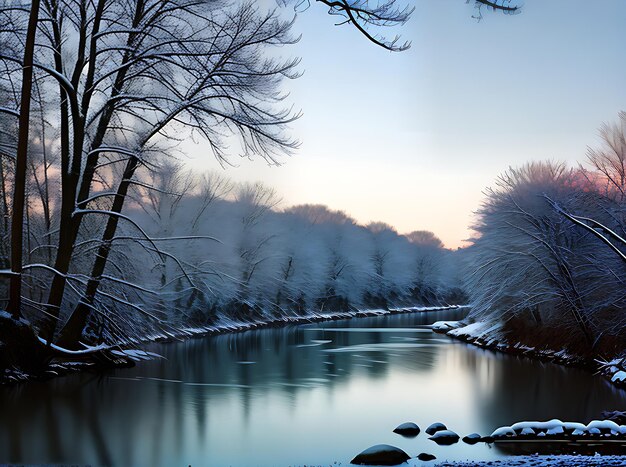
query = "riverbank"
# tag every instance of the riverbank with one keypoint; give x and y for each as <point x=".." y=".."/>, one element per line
<point x="490" y="336"/>
<point x="541" y="461"/>
<point x="102" y="358"/>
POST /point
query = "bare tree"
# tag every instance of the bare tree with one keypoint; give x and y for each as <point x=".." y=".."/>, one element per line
<point x="370" y="16"/>
<point x="609" y="161"/>
<point x="21" y="164"/>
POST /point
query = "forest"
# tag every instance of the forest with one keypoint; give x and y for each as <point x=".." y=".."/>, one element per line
<point x="106" y="237"/>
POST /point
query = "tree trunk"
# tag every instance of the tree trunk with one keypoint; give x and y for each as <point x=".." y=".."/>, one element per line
<point x="73" y="329"/>
<point x="70" y="225"/>
<point x="21" y="162"/>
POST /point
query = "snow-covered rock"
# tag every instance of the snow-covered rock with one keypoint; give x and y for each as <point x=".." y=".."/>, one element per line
<point x="445" y="326"/>
<point x="556" y="427"/>
<point x="555" y="430"/>
<point x="605" y="426"/>
<point x="573" y="426"/>
<point x="503" y="432"/>
<point x="476" y="330"/>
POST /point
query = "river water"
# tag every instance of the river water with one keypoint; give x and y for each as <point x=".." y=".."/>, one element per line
<point x="309" y="394"/>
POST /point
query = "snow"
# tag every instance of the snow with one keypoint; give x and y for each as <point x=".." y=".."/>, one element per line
<point x="476" y="330"/>
<point x="428" y="308"/>
<point x="87" y="349"/>
<point x="557" y="427"/>
<point x="542" y="461"/>
<point x="557" y="430"/>
<point x="9" y="111"/>
<point x="573" y="426"/>
<point x="619" y="377"/>
<point x="503" y="431"/>
<point x="135" y="354"/>
<point x="607" y="425"/>
<point x="445" y="325"/>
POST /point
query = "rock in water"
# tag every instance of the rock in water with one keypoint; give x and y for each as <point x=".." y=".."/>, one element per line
<point x="424" y="456"/>
<point x="381" y="454"/>
<point x="435" y="427"/>
<point x="503" y="432"/>
<point x="472" y="438"/>
<point x="445" y="437"/>
<point x="408" y="429"/>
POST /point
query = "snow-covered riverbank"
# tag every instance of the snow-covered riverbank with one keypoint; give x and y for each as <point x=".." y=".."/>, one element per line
<point x="544" y="461"/>
<point x="229" y="325"/>
<point x="489" y="335"/>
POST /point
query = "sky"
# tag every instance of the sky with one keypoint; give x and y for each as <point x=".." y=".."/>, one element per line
<point x="414" y="138"/>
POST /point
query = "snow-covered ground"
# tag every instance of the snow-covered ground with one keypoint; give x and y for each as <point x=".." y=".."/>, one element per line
<point x="225" y="324"/>
<point x="542" y="461"/>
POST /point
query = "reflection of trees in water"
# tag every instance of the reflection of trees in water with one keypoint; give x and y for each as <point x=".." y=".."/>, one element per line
<point x="509" y="389"/>
<point x="87" y="418"/>
<point x="48" y="422"/>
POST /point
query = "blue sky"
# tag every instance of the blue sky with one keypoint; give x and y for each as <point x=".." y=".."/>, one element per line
<point x="413" y="138"/>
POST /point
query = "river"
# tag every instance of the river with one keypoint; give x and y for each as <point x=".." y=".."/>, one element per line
<point x="309" y="394"/>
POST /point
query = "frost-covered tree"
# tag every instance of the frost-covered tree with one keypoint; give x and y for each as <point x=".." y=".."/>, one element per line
<point x="532" y="268"/>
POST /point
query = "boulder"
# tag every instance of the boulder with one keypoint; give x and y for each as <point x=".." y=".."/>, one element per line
<point x="381" y="454"/>
<point x="487" y="439"/>
<point x="408" y="429"/>
<point x="445" y="437"/>
<point x="435" y="427"/>
<point x="472" y="438"/>
<point x="424" y="456"/>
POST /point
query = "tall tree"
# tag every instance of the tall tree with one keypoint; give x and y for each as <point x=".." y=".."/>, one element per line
<point x="21" y="164"/>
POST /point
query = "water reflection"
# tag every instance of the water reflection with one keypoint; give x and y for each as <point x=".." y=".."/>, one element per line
<point x="310" y="394"/>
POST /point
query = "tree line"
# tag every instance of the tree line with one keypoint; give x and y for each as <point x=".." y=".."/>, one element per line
<point x="201" y="250"/>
